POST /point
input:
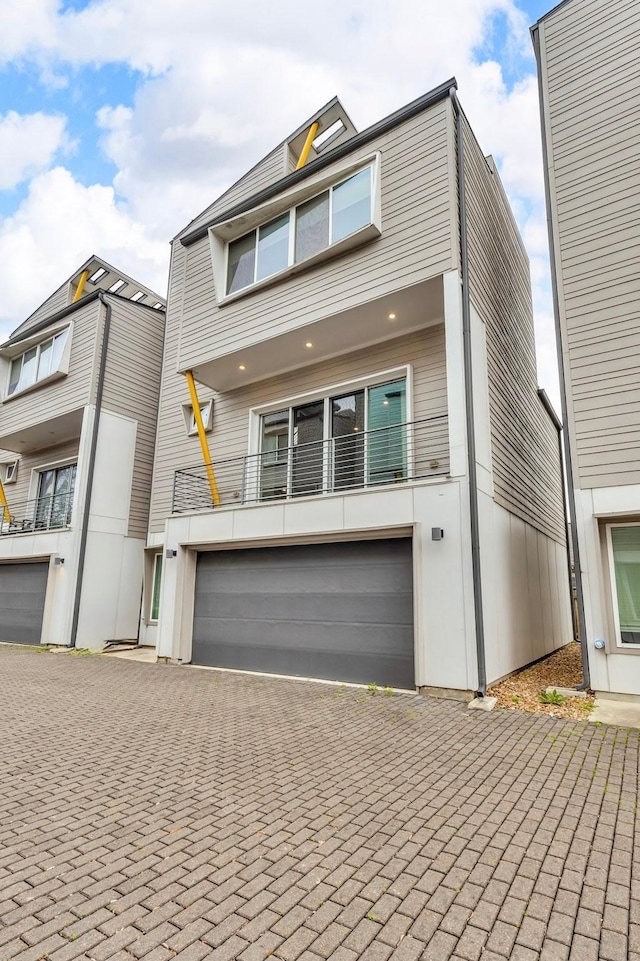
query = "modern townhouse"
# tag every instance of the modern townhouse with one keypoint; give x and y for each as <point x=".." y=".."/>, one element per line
<point x="79" y="385"/>
<point x="589" y="85"/>
<point x="356" y="477"/>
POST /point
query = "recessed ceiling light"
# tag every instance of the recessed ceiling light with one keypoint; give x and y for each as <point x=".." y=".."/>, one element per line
<point x="241" y="367"/>
<point x="308" y="344"/>
<point x="392" y="316"/>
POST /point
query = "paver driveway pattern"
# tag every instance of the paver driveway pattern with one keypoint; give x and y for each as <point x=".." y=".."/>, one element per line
<point x="155" y="812"/>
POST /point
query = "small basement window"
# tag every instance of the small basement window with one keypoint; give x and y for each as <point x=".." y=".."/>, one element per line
<point x="206" y="412"/>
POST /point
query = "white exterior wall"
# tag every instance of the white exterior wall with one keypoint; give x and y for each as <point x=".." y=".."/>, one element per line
<point x="527" y="611"/>
<point x="613" y="670"/>
<point x="112" y="583"/>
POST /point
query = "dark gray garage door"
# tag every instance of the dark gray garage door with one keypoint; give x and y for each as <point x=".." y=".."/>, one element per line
<point x="22" y="591"/>
<point x="337" y="611"/>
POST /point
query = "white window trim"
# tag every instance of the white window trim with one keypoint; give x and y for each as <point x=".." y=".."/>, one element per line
<point x="325" y="393"/>
<point x="9" y="354"/>
<point x="6" y="468"/>
<point x="189" y="419"/>
<point x="220" y="236"/>
<point x="619" y="646"/>
<point x="154" y="564"/>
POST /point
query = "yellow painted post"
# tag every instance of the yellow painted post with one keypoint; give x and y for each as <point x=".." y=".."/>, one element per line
<point x="5" y="507"/>
<point x="80" y="287"/>
<point x="313" y="129"/>
<point x="197" y="413"/>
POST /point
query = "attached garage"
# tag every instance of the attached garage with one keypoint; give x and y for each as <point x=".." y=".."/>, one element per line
<point x="22" y="594"/>
<point x="339" y="611"/>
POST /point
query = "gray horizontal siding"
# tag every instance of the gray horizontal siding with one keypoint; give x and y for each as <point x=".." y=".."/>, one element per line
<point x="70" y="392"/>
<point x="424" y="350"/>
<point x="416" y="244"/>
<point x="524" y="444"/>
<point x="591" y="76"/>
<point x="132" y="389"/>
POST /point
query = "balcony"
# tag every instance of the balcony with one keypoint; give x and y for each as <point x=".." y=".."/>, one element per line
<point x="356" y="461"/>
<point x="41" y="514"/>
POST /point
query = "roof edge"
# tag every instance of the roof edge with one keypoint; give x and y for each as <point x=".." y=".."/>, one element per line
<point x="70" y="309"/>
<point x="358" y="140"/>
<point x="549" y="13"/>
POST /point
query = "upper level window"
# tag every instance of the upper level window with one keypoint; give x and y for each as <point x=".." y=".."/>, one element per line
<point x="301" y="232"/>
<point x="55" y="497"/>
<point x="37" y="363"/>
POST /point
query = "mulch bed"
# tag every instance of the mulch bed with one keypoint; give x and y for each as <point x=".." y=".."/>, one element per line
<point x="521" y="691"/>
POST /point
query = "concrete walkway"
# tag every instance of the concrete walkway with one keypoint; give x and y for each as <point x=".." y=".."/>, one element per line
<point x="152" y="812"/>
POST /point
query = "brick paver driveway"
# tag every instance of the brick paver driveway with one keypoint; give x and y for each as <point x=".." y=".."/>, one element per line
<point x="158" y="812"/>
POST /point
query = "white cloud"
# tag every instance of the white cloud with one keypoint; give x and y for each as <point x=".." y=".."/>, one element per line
<point x="57" y="227"/>
<point x="28" y="143"/>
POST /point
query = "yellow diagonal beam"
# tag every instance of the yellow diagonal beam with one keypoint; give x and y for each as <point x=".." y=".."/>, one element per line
<point x="313" y="129"/>
<point x="3" y="504"/>
<point x="197" y="413"/>
<point x="80" y="287"/>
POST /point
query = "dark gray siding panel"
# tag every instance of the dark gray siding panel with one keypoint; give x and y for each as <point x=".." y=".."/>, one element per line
<point x="22" y="593"/>
<point x="341" y="611"/>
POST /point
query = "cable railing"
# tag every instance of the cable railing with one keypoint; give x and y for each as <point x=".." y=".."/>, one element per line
<point x="354" y="461"/>
<point x="40" y="514"/>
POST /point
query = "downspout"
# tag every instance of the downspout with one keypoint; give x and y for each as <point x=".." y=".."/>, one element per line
<point x="470" y="418"/>
<point x="542" y="394"/>
<point x="568" y="462"/>
<point x="91" y="469"/>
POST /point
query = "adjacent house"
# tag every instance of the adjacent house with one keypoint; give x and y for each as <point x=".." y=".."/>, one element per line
<point x="79" y="385"/>
<point x="587" y="56"/>
<point x="356" y="477"/>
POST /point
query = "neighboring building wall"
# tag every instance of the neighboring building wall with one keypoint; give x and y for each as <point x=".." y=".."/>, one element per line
<point x="132" y="389"/>
<point x="527" y="473"/>
<point x="416" y="244"/>
<point x="591" y="105"/>
<point x="71" y="392"/>
<point x="424" y="351"/>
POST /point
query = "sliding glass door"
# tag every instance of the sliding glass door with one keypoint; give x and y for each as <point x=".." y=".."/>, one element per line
<point x="386" y="433"/>
<point x="344" y="442"/>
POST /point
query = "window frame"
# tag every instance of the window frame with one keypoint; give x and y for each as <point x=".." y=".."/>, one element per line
<point x="375" y="379"/>
<point x="158" y="556"/>
<point x="17" y="351"/>
<point x="36" y="481"/>
<point x="618" y="646"/>
<point x="221" y="236"/>
<point x="190" y="421"/>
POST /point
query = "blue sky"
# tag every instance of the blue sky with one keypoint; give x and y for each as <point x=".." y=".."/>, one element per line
<point x="117" y="127"/>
